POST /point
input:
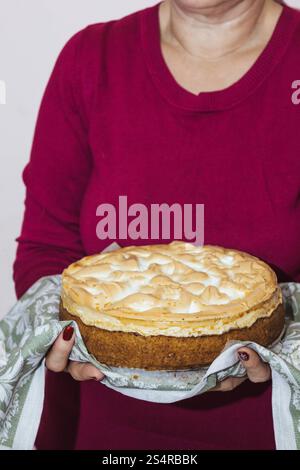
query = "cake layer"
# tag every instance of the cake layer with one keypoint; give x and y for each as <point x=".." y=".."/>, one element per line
<point x="193" y="325"/>
<point x="160" y="352"/>
<point x="170" y="290"/>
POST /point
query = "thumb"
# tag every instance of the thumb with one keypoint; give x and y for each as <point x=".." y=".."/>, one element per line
<point x="257" y="370"/>
<point x="58" y="356"/>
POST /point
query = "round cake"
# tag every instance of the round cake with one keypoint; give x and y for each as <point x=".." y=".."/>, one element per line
<point x="170" y="306"/>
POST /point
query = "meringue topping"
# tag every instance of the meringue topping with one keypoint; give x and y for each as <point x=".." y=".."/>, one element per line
<point x="176" y="289"/>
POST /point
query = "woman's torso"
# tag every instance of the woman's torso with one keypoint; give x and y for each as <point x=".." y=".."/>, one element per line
<point x="235" y="151"/>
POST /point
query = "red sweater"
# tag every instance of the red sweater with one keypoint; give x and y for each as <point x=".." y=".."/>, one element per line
<point x="113" y="121"/>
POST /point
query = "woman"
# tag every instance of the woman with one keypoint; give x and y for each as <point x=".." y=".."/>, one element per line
<point x="189" y="101"/>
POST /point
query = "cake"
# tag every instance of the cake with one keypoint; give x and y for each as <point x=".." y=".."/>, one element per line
<point x="170" y="306"/>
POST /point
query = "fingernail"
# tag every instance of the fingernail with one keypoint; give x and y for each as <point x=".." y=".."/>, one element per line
<point x="243" y="356"/>
<point x="68" y="333"/>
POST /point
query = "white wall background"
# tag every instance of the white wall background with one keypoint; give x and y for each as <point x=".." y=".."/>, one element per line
<point x="32" y="32"/>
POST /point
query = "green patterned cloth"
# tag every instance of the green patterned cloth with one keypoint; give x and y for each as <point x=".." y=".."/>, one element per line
<point x="30" y="328"/>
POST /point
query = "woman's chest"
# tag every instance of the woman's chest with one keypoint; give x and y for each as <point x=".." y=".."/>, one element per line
<point x="241" y="167"/>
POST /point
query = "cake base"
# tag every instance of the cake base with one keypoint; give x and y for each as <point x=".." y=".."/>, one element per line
<point x="132" y="350"/>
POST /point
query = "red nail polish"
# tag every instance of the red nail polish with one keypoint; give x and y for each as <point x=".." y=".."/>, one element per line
<point x="243" y="356"/>
<point x="68" y="333"/>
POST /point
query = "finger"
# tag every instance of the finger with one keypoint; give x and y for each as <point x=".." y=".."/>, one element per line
<point x="228" y="384"/>
<point x="58" y="356"/>
<point x="84" y="371"/>
<point x="257" y="370"/>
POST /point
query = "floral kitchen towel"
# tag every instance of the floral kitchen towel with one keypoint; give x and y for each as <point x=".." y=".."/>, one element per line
<point x="31" y="327"/>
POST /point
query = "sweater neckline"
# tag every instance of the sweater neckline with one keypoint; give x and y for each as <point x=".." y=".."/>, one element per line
<point x="228" y="97"/>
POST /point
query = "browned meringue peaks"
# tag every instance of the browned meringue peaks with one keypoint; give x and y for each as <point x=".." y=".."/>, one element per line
<point x="173" y="279"/>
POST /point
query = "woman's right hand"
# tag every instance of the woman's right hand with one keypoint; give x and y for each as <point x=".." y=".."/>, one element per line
<point x="57" y="359"/>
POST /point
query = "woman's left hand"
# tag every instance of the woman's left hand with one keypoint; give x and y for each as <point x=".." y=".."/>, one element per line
<point x="257" y="371"/>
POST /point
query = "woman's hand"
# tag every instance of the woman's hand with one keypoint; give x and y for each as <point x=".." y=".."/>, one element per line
<point x="257" y="371"/>
<point x="57" y="359"/>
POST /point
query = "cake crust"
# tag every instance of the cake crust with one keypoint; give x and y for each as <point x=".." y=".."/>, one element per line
<point x="160" y="352"/>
